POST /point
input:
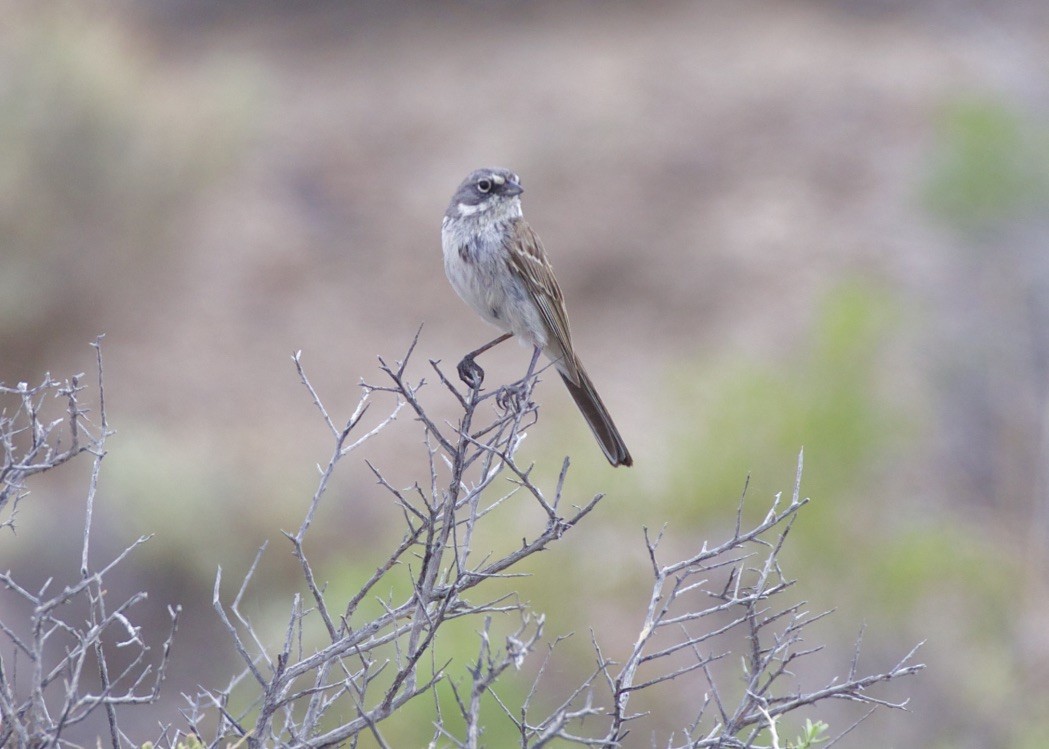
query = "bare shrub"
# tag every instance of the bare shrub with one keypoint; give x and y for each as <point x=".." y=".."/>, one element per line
<point x="720" y="617"/>
<point x="370" y="666"/>
<point x="61" y="668"/>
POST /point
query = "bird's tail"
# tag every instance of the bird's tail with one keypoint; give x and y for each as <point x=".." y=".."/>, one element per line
<point x="597" y="418"/>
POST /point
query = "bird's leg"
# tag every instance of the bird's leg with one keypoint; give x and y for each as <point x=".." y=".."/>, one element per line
<point x="513" y="395"/>
<point x="531" y="367"/>
<point x="470" y="371"/>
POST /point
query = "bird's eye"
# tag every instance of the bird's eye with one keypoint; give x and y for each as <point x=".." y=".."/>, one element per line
<point x="484" y="185"/>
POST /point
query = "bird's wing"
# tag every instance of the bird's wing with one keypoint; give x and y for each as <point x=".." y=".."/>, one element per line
<point x="528" y="260"/>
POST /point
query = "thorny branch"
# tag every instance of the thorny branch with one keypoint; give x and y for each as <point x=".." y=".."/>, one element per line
<point x="367" y="666"/>
<point x="718" y="624"/>
<point x="46" y="683"/>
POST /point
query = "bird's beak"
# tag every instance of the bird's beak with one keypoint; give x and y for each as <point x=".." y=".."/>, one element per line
<point x="512" y="189"/>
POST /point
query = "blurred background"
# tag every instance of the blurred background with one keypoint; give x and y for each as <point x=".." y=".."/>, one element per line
<point x="819" y="224"/>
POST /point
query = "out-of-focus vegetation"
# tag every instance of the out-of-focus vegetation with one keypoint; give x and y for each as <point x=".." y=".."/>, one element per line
<point x="990" y="166"/>
<point x="862" y="546"/>
<point x="798" y="228"/>
<point x="101" y="152"/>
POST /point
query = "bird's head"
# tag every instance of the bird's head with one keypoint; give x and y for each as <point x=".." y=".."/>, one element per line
<point x="487" y="191"/>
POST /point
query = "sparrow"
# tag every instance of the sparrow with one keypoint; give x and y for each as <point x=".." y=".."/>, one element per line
<point x="497" y="265"/>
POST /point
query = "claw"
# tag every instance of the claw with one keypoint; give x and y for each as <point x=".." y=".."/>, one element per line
<point x="470" y="372"/>
<point x="513" y="397"/>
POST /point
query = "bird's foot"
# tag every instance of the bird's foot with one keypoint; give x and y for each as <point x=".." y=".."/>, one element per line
<point x="515" y="396"/>
<point x="470" y="372"/>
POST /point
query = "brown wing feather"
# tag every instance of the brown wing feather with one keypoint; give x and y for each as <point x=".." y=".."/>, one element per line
<point x="528" y="260"/>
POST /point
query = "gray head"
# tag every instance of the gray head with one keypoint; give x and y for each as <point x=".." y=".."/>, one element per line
<point x="484" y="190"/>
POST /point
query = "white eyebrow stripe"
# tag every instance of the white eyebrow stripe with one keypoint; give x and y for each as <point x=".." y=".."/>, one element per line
<point x="498" y="179"/>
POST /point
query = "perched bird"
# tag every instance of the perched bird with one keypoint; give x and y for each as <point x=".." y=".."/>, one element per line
<point x="497" y="264"/>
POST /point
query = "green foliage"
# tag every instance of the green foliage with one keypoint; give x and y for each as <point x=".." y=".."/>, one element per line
<point x="991" y="165"/>
<point x="931" y="562"/>
<point x="190" y="742"/>
<point x="810" y="736"/>
<point x="752" y="418"/>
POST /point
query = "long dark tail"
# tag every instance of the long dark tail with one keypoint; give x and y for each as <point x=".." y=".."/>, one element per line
<point x="597" y="418"/>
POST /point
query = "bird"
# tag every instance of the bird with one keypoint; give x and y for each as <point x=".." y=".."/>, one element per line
<point x="497" y="265"/>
